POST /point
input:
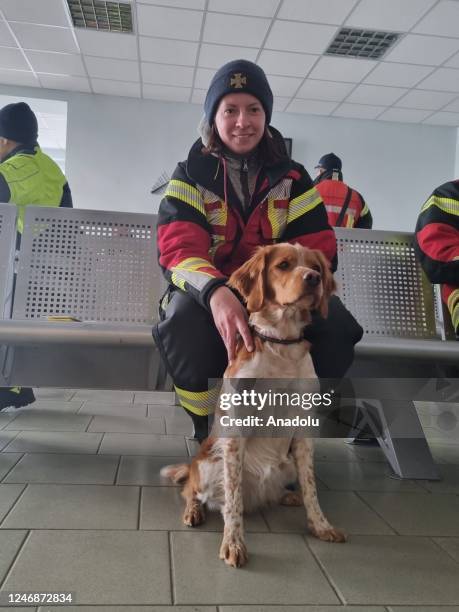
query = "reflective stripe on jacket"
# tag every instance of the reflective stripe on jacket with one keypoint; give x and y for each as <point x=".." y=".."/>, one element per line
<point x="334" y="194"/>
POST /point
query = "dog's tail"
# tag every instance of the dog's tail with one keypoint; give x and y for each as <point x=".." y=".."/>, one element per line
<point x="178" y="473"/>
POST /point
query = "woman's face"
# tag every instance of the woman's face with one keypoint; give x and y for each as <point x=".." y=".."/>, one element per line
<point x="240" y="122"/>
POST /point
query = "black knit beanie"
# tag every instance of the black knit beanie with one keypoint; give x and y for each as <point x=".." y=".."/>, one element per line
<point x="18" y="122"/>
<point x="238" y="76"/>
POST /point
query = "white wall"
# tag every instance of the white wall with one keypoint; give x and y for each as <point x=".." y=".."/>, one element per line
<point x="117" y="148"/>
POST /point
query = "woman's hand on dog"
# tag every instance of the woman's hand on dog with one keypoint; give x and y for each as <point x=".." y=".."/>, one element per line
<point x="230" y="318"/>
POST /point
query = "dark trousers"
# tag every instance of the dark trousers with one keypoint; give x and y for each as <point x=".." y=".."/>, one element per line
<point x="193" y="350"/>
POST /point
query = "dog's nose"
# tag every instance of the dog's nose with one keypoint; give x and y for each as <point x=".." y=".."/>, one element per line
<point x="312" y="279"/>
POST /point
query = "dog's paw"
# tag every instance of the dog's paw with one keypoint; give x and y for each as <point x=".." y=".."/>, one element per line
<point x="194" y="515"/>
<point x="292" y="498"/>
<point x="234" y="552"/>
<point x="328" y="534"/>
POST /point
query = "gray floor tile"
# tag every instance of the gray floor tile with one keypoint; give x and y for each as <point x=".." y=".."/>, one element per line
<point x="6" y="437"/>
<point x="451" y="545"/>
<point x="54" y="394"/>
<point x="449" y="482"/>
<point x="279" y="569"/>
<point x="127" y="424"/>
<point x="333" y="450"/>
<point x="63" y="469"/>
<point x="48" y="420"/>
<point x="75" y="507"/>
<point x="422" y="609"/>
<point x="362" y="476"/>
<point x="162" y="508"/>
<point x="6" y="417"/>
<point x="100" y="567"/>
<point x="10" y="543"/>
<point x="107" y="409"/>
<point x="343" y="509"/>
<point x="9" y="493"/>
<point x="192" y="446"/>
<point x="127" y="609"/>
<point x="176" y="425"/>
<point x="445" y="453"/>
<point x="142" y="444"/>
<point x="105" y="396"/>
<point x="437" y="515"/>
<point x="7" y="461"/>
<point x="54" y="442"/>
<point x="166" y="410"/>
<point x="301" y="609"/>
<point x="155" y="397"/>
<point x="391" y="570"/>
<point x="53" y="405"/>
<point x="369" y="453"/>
<point x="144" y="470"/>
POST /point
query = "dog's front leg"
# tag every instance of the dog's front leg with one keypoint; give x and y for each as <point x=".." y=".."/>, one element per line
<point x="233" y="549"/>
<point x="303" y="453"/>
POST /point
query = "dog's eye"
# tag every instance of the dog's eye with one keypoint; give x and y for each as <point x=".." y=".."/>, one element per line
<point x="283" y="265"/>
<point x="316" y="267"/>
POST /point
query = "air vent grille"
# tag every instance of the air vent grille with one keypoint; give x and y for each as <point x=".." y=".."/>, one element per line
<point x="101" y="15"/>
<point x="371" y="44"/>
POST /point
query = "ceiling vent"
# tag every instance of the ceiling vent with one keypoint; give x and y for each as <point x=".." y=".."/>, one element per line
<point x="101" y="15"/>
<point x="370" y="44"/>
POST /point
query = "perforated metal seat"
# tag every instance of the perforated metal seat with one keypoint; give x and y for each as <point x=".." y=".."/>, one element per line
<point x="100" y="268"/>
<point x="92" y="265"/>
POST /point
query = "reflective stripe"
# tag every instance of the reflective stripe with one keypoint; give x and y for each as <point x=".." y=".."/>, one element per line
<point x="350" y="219"/>
<point x="452" y="298"/>
<point x="201" y="403"/>
<point x="303" y="203"/>
<point x="455" y="317"/>
<point x="277" y="218"/>
<point x="186" y="193"/>
<point x="448" y="205"/>
<point x="188" y="271"/>
<point x="365" y="210"/>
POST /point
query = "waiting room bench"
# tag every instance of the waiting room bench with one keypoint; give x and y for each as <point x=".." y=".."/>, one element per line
<point x="408" y="343"/>
<point x="100" y="268"/>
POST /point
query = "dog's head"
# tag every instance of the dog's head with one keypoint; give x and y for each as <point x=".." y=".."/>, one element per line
<point x="285" y="275"/>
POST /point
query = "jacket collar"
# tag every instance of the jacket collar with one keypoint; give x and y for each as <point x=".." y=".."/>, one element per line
<point x="326" y="176"/>
<point x="21" y="148"/>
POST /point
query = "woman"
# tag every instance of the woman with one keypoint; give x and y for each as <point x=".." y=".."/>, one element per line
<point x="237" y="190"/>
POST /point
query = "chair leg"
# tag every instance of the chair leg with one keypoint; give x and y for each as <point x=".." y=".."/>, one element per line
<point x="399" y="432"/>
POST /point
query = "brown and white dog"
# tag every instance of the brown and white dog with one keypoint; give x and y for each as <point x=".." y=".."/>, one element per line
<point x="281" y="284"/>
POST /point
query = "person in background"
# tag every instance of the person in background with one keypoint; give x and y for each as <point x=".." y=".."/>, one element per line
<point x="27" y="177"/>
<point x="437" y="244"/>
<point x="345" y="206"/>
<point x="237" y="190"/>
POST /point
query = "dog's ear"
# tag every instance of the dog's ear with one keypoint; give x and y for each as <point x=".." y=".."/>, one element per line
<point x="249" y="280"/>
<point x="328" y="283"/>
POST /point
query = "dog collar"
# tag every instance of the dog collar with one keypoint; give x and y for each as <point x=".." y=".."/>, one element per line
<point x="276" y="340"/>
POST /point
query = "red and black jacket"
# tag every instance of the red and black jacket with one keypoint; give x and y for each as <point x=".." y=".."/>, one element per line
<point x="437" y="243"/>
<point x="334" y="193"/>
<point x="203" y="234"/>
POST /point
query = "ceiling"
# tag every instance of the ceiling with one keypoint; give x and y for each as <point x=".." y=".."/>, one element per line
<point x="178" y="45"/>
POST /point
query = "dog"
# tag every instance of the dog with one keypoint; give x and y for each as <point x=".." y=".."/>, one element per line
<point x="281" y="285"/>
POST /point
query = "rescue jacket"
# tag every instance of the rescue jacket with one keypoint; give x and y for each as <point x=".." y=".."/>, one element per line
<point x="334" y="193"/>
<point x="437" y="243"/>
<point x="204" y="234"/>
<point x="29" y="177"/>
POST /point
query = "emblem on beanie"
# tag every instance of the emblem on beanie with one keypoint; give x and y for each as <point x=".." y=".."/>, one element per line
<point x="238" y="81"/>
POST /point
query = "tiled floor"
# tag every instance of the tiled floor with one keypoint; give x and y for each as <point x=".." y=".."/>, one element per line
<point x="84" y="510"/>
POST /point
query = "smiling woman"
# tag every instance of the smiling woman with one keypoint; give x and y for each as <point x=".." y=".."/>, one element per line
<point x="237" y="190"/>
